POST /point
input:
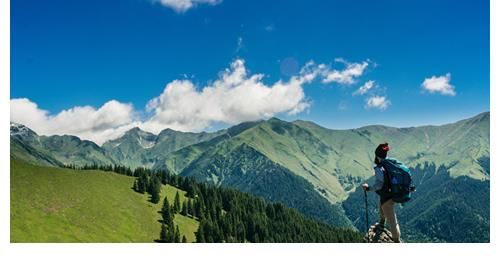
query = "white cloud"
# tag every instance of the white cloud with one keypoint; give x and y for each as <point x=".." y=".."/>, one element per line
<point x="365" y="88"/>
<point x="378" y="102"/>
<point x="347" y="75"/>
<point x="181" y="6"/>
<point x="235" y="97"/>
<point x="439" y="84"/>
<point x="109" y="121"/>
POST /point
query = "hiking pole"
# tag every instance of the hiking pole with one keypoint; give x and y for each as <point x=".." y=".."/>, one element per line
<point x="366" y="211"/>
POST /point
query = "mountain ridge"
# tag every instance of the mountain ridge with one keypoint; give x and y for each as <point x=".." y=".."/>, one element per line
<point x="324" y="167"/>
<point x="332" y="160"/>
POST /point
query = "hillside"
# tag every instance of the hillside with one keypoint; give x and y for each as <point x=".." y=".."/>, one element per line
<point x="457" y="145"/>
<point x="137" y="148"/>
<point x="281" y="142"/>
<point x="54" y="150"/>
<point x="334" y="162"/>
<point x="22" y="151"/>
<point x="247" y="170"/>
<point x="63" y="205"/>
<point x="71" y="150"/>
<point x="300" y="164"/>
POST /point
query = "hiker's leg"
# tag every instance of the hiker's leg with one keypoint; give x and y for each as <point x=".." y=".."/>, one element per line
<point x="390" y="214"/>
<point x="382" y="216"/>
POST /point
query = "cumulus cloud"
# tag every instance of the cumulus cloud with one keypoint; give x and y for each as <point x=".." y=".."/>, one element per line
<point x="181" y="6"/>
<point x="365" y="88"/>
<point x="107" y="122"/>
<point x="439" y="84"/>
<point x="235" y="97"/>
<point x="378" y="102"/>
<point x="348" y="75"/>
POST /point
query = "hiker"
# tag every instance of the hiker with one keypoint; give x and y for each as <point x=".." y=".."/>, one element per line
<point x="381" y="187"/>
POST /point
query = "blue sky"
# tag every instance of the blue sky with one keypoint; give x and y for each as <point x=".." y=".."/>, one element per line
<point x="86" y="53"/>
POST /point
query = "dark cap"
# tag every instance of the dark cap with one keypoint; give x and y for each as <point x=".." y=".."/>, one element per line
<point x="382" y="150"/>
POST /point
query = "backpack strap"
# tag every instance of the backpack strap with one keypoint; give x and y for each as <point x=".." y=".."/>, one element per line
<point x="387" y="180"/>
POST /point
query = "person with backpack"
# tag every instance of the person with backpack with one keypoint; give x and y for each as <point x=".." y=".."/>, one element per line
<point x="393" y="185"/>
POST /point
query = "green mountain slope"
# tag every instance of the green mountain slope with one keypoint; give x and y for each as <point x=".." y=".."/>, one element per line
<point x="250" y="171"/>
<point x="130" y="149"/>
<point x="137" y="148"/>
<point x="281" y="142"/>
<point x="269" y="158"/>
<point x="25" y="145"/>
<point x="54" y="150"/>
<point x="63" y="205"/>
<point x="335" y="161"/>
<point x="180" y="159"/>
<point x="71" y="150"/>
<point x="458" y="145"/>
<point x="22" y="151"/>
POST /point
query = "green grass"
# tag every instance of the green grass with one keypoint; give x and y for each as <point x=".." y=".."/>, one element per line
<point x="62" y="205"/>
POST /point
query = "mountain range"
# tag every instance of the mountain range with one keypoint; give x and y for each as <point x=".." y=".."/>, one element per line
<point x="301" y="164"/>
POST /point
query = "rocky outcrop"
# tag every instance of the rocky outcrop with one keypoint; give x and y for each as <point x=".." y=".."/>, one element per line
<point x="378" y="234"/>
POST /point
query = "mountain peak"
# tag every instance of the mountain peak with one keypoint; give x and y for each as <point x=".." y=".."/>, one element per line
<point x="137" y="132"/>
<point x="17" y="129"/>
<point x="275" y="119"/>
<point x="134" y="130"/>
<point x="239" y="128"/>
<point x="167" y="131"/>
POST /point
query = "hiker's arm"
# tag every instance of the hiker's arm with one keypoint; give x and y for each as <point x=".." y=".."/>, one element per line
<point x="379" y="180"/>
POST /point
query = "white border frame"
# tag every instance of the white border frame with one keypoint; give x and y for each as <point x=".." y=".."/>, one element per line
<point x="242" y="252"/>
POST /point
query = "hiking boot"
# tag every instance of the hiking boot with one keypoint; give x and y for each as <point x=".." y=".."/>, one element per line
<point x="380" y="224"/>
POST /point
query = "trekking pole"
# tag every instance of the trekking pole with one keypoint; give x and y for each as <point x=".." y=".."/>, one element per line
<point x="366" y="211"/>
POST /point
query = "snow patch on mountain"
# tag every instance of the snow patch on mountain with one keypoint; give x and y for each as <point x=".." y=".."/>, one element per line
<point x="17" y="129"/>
<point x="145" y="143"/>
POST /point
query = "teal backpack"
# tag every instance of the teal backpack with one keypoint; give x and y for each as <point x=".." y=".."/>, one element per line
<point x="399" y="183"/>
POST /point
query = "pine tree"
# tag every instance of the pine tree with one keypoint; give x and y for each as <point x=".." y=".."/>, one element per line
<point x="154" y="187"/>
<point x="177" y="236"/>
<point x="184" y="240"/>
<point x="166" y="212"/>
<point x="190" y="188"/>
<point x="177" y="203"/>
<point x="142" y="183"/>
<point x="155" y="194"/>
<point x="200" y="235"/>
<point x="184" y="208"/>
<point x="190" y="208"/>
<point x="198" y="209"/>
<point x="163" y="233"/>
<point x="155" y="197"/>
<point x="164" y="177"/>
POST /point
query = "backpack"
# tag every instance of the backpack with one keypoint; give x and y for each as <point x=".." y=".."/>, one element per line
<point x="399" y="184"/>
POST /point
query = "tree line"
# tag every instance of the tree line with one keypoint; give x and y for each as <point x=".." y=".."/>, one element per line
<point x="225" y="214"/>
